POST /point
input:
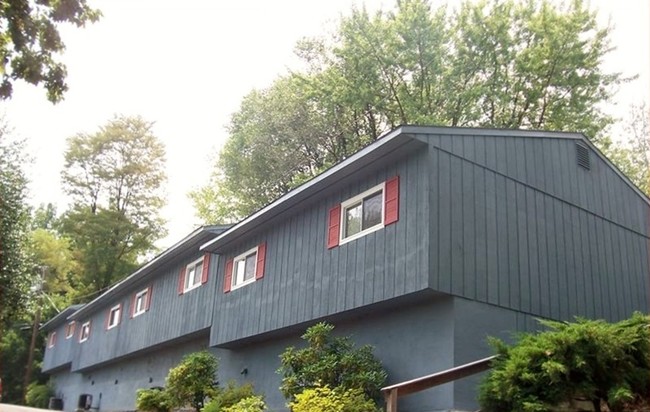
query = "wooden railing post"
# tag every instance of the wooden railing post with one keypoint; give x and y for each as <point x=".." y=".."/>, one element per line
<point x="391" y="400"/>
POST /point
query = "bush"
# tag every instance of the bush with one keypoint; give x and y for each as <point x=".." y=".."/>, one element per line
<point x="324" y="399"/>
<point x="330" y="361"/>
<point x="229" y="396"/>
<point x="38" y="395"/>
<point x="192" y="380"/>
<point x="608" y="364"/>
<point x="250" y="404"/>
<point x="152" y="400"/>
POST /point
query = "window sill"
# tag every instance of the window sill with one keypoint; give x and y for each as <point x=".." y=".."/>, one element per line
<point x="361" y="234"/>
<point x="192" y="288"/>
<point x="248" y="282"/>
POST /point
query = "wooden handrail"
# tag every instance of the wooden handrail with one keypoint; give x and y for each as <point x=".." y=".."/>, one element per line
<point x="392" y="392"/>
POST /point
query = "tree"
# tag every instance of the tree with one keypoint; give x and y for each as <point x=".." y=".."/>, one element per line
<point x="15" y="277"/>
<point x="608" y="364"/>
<point x="192" y="380"/>
<point x="114" y="178"/>
<point x="508" y="64"/>
<point x="31" y="42"/>
<point x="330" y="361"/>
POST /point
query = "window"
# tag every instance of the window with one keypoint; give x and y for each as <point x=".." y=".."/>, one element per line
<point x="114" y="315"/>
<point x="51" y="340"/>
<point x="85" y="332"/>
<point x="365" y="213"/>
<point x="245" y="268"/>
<point x="69" y="329"/>
<point x="193" y="275"/>
<point x="140" y="302"/>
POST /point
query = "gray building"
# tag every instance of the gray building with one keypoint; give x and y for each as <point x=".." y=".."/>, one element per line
<point x="422" y="244"/>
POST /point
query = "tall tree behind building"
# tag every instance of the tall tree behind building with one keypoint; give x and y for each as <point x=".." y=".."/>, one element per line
<point x="510" y="64"/>
<point x="115" y="178"/>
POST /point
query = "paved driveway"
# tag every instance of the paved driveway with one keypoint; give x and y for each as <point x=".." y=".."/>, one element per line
<point x="5" y="407"/>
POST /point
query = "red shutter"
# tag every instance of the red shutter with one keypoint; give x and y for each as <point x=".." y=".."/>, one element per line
<point x="132" y="310"/>
<point x="108" y="318"/>
<point x="119" y="316"/>
<point x="205" y="268"/>
<point x="334" y="227"/>
<point x="147" y="304"/>
<point x="181" y="281"/>
<point x="67" y="329"/>
<point x="227" y="279"/>
<point x="261" y="258"/>
<point x="391" y="201"/>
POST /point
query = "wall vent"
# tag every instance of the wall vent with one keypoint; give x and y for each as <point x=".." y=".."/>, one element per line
<point x="582" y="155"/>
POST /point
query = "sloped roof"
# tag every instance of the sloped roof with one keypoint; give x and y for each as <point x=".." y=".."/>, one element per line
<point x="61" y="317"/>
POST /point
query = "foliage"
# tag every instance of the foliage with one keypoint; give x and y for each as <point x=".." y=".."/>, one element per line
<point x="192" y="380"/>
<point x="324" y="399"/>
<point x="38" y="395"/>
<point x="249" y="404"/>
<point x="31" y="42"/>
<point x="228" y="396"/>
<point x="331" y="361"/>
<point x="608" y="363"/>
<point x="490" y="63"/>
<point x="15" y="276"/>
<point x="114" y="177"/>
<point x="153" y="400"/>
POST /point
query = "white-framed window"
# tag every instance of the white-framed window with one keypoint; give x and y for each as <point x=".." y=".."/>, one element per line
<point x="69" y="329"/>
<point x="114" y="315"/>
<point x="244" y="267"/>
<point x="140" y="302"/>
<point x="193" y="275"/>
<point x="51" y="341"/>
<point x="85" y="332"/>
<point x="362" y="214"/>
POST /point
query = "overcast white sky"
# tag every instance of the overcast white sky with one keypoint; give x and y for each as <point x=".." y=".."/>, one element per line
<point x="185" y="65"/>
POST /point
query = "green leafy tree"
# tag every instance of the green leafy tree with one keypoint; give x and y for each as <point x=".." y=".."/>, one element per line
<point x="32" y="44"/>
<point x="193" y="380"/>
<point x="15" y="277"/>
<point x="490" y="63"/>
<point x="153" y="400"/>
<point x="114" y="177"/>
<point x="249" y="404"/>
<point x="608" y="364"/>
<point x="332" y="361"/>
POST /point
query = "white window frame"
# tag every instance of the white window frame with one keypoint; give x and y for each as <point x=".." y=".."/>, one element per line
<point x="143" y="309"/>
<point x="117" y="308"/>
<point x="354" y="200"/>
<point x="51" y="340"/>
<point x="233" y="282"/>
<point x="85" y="332"/>
<point x="197" y="275"/>
<point x="71" y="329"/>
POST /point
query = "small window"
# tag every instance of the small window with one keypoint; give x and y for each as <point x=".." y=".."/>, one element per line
<point x="114" y="316"/>
<point x="85" y="332"/>
<point x="193" y="275"/>
<point x="52" y="340"/>
<point x="140" y="302"/>
<point x="362" y="214"/>
<point x="69" y="329"/>
<point x="244" y="267"/>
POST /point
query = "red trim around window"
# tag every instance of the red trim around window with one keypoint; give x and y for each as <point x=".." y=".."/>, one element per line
<point x="205" y="268"/>
<point x="147" y="304"/>
<point x="181" y="281"/>
<point x="391" y="201"/>
<point x="261" y="257"/>
<point x="334" y="226"/>
<point x="227" y="279"/>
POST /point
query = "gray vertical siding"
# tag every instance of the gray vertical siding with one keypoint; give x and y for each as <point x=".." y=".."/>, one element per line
<point x="305" y="281"/>
<point x="62" y="352"/>
<point x="517" y="223"/>
<point x="171" y="316"/>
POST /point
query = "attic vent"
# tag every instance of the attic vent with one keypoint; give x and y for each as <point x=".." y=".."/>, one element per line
<point x="582" y="155"/>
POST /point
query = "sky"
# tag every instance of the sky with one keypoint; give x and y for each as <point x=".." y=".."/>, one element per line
<point x="186" y="65"/>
